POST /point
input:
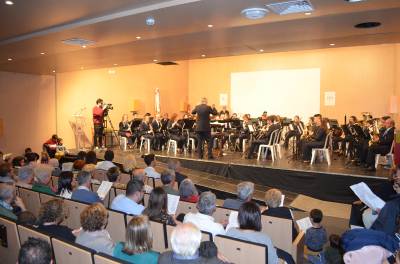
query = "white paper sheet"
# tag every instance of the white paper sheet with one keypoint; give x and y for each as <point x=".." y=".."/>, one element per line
<point x="104" y="188"/>
<point x="282" y="200"/>
<point x="365" y="194"/>
<point x="304" y="223"/>
<point x="173" y="201"/>
<point x="356" y="227"/>
<point x="233" y="220"/>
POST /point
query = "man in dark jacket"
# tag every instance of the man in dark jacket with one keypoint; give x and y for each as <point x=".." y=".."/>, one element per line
<point x="203" y="128"/>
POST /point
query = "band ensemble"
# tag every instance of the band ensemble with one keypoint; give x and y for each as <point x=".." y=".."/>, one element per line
<point x="358" y="140"/>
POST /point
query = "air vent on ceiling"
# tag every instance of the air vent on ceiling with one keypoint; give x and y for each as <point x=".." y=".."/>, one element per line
<point x="167" y="63"/>
<point x="291" y="7"/>
<point x="78" y="42"/>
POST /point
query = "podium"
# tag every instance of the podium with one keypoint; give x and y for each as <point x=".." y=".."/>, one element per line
<point x="78" y="125"/>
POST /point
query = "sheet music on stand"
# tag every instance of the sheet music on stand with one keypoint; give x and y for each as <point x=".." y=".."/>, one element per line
<point x="79" y="129"/>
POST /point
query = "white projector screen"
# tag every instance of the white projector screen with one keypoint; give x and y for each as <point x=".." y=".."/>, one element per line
<point x="280" y="92"/>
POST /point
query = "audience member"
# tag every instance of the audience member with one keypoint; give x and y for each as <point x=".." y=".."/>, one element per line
<point x="31" y="158"/>
<point x="185" y="242"/>
<point x="5" y="172"/>
<point x="188" y="192"/>
<point x="65" y="184"/>
<point x="157" y="207"/>
<point x="35" y="251"/>
<point x="78" y="165"/>
<point x="25" y="177"/>
<point x="43" y="179"/>
<point x="332" y="253"/>
<point x="388" y="217"/>
<point x="26" y="218"/>
<point x="91" y="158"/>
<point x="107" y="163"/>
<point x="81" y="155"/>
<point x="168" y="180"/>
<point x="56" y="167"/>
<point x="18" y="162"/>
<point x="245" y="192"/>
<point x="50" y="217"/>
<point x="250" y="226"/>
<point x="10" y="204"/>
<point x="140" y="175"/>
<point x="203" y="218"/>
<point x="94" y="235"/>
<point x="138" y="245"/>
<point x="44" y="157"/>
<point x="83" y="192"/>
<point x="129" y="164"/>
<point x="175" y="166"/>
<point x="315" y="237"/>
<point x="150" y="170"/>
<point x="113" y="174"/>
<point x="129" y="202"/>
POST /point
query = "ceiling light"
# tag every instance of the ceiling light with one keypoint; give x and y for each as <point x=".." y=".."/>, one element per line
<point x="82" y="68"/>
<point x="54" y="71"/>
<point x="203" y="55"/>
<point x="111" y="71"/>
<point x="78" y="42"/>
<point x="210" y="26"/>
<point x="332" y="44"/>
<point x="150" y="21"/>
<point x="138" y="37"/>
<point x="8" y="2"/>
<point x="307" y="13"/>
<point x="291" y="7"/>
<point x="368" y="25"/>
<point x="354" y="1"/>
<point x="9" y="59"/>
<point x="261" y="50"/>
<point x="155" y="60"/>
<point x="83" y="46"/>
<point x="115" y="64"/>
<point x="254" y="12"/>
<point x="42" y="53"/>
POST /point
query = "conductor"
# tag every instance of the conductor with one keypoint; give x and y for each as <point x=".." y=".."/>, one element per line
<point x="203" y="128"/>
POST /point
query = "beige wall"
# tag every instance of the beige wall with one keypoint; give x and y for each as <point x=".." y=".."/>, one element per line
<point x="362" y="77"/>
<point x="27" y="110"/>
<point x="80" y="89"/>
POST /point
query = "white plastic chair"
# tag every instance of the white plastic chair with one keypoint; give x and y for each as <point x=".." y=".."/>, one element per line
<point x="172" y="144"/>
<point x="385" y="159"/>
<point x="124" y="143"/>
<point x="325" y="150"/>
<point x="263" y="148"/>
<point x="191" y="142"/>
<point x="277" y="144"/>
<point x="145" y="142"/>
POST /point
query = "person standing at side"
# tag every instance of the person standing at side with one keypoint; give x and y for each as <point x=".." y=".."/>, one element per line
<point x="98" y="118"/>
<point x="203" y="128"/>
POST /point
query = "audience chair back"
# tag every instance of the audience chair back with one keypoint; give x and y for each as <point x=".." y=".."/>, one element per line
<point x="74" y="210"/>
<point x="386" y="160"/>
<point x="31" y="200"/>
<point x="101" y="258"/>
<point x="27" y="232"/>
<point x="106" y="201"/>
<point x="9" y="249"/>
<point x="221" y="214"/>
<point x="67" y="253"/>
<point x="298" y="248"/>
<point x="279" y="230"/>
<point x="100" y="175"/>
<point x="240" y="251"/>
<point x="124" y="178"/>
<point x="146" y="199"/>
<point x="47" y="197"/>
<point x="186" y="207"/>
<point x="116" y="225"/>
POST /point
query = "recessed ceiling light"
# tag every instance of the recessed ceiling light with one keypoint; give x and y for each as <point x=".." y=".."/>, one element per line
<point x="308" y="13"/>
<point x="54" y="71"/>
<point x="42" y="53"/>
<point x="8" y="2"/>
<point x="82" y="68"/>
<point x="155" y="60"/>
<point x="115" y="64"/>
<point x="332" y="44"/>
<point x="138" y="37"/>
<point x="254" y="12"/>
<point x="150" y="21"/>
<point x="203" y="55"/>
<point x="83" y="46"/>
<point x="210" y="26"/>
<point x="9" y="59"/>
<point x="368" y="25"/>
<point x="110" y="71"/>
<point x="261" y="50"/>
<point x="353" y="1"/>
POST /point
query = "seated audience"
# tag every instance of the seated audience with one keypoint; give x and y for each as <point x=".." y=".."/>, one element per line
<point x="78" y="165"/>
<point x="94" y="235"/>
<point x="203" y="218"/>
<point x="44" y="157"/>
<point x="10" y="204"/>
<point x="31" y="158"/>
<point x="107" y="163"/>
<point x="188" y="192"/>
<point x="65" y="184"/>
<point x="51" y="214"/>
<point x="168" y="180"/>
<point x="6" y="174"/>
<point x="150" y="162"/>
<point x="35" y="251"/>
<point x="157" y="207"/>
<point x="43" y="179"/>
<point x="140" y="175"/>
<point x="388" y="217"/>
<point x="25" y="177"/>
<point x="50" y="146"/>
<point x="273" y="200"/>
<point x="175" y="166"/>
<point x="113" y="175"/>
<point x="250" y="226"/>
<point x="245" y="192"/>
<point x="26" y="218"/>
<point x="332" y="253"/>
<point x="56" y="167"/>
<point x="83" y="192"/>
<point x="138" y="244"/>
<point x="129" y="202"/>
<point x="91" y="157"/>
<point x="129" y="164"/>
<point x="185" y="242"/>
<point x="315" y="237"/>
<point x="18" y="162"/>
<point x="81" y="155"/>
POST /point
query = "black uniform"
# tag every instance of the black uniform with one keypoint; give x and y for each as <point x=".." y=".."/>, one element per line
<point x="386" y="137"/>
<point x="317" y="141"/>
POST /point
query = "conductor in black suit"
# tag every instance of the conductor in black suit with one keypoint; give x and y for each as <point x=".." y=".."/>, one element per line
<point x="203" y="128"/>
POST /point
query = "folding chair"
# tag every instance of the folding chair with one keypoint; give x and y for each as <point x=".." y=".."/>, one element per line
<point x="10" y="245"/>
<point x="172" y="144"/>
<point x="116" y="225"/>
<point x="74" y="213"/>
<point x="31" y="200"/>
<point x="100" y="175"/>
<point x="325" y="151"/>
<point x="221" y="214"/>
<point x="145" y="142"/>
<point x="101" y="258"/>
<point x="186" y="207"/>
<point x="67" y="253"/>
<point x="385" y="159"/>
<point x="27" y="232"/>
<point x="263" y="148"/>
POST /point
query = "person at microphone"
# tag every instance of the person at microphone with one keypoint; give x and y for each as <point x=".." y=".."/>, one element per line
<point x="98" y="119"/>
<point x="203" y="128"/>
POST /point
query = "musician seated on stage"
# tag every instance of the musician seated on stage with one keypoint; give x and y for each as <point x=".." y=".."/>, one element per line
<point x="51" y="145"/>
<point x="243" y="131"/>
<point x="382" y="145"/>
<point x="145" y="130"/>
<point x="224" y="111"/>
<point x="296" y="129"/>
<point x="175" y="132"/>
<point x="316" y="140"/>
<point x="159" y="139"/>
<point x="264" y="135"/>
<point x="125" y="129"/>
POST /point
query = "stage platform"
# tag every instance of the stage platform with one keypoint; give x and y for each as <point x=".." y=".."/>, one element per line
<point x="320" y="181"/>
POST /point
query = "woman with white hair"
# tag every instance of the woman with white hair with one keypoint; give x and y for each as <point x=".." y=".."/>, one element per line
<point x="188" y="192"/>
<point x="185" y="242"/>
<point x="43" y="177"/>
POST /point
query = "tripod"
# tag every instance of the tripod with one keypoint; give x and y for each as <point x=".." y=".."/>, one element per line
<point x="106" y="120"/>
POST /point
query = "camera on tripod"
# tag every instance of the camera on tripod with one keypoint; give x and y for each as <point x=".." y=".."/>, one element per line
<point x="108" y="107"/>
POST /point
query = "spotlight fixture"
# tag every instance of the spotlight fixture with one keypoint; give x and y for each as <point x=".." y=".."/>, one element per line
<point x="254" y="13"/>
<point x="8" y="2"/>
<point x="332" y="44"/>
<point x="138" y="37"/>
<point x="9" y="59"/>
<point x="210" y="26"/>
<point x="42" y="53"/>
<point x="150" y="21"/>
<point x="368" y="25"/>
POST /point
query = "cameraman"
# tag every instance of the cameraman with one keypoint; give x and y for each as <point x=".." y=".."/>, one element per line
<point x="98" y="119"/>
